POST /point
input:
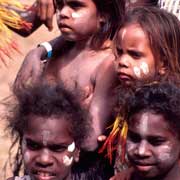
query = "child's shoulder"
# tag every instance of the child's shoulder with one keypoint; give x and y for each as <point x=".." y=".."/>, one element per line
<point x="20" y="178"/>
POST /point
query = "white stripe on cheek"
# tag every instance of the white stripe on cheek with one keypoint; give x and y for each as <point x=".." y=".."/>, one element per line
<point x="76" y="15"/>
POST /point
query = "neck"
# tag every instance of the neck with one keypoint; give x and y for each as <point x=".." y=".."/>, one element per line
<point x="172" y="174"/>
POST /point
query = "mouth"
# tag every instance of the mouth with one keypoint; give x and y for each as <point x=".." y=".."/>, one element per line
<point x="124" y="76"/>
<point x="42" y="175"/>
<point x="143" y="168"/>
<point x="63" y="26"/>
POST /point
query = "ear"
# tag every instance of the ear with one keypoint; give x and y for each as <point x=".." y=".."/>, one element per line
<point x="76" y="155"/>
<point x="162" y="69"/>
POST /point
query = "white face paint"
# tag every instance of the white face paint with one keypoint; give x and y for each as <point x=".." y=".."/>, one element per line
<point x="137" y="72"/>
<point x="144" y="67"/>
<point x="71" y="147"/>
<point x="143" y="126"/>
<point x="67" y="161"/>
<point x="166" y="153"/>
<point x="123" y="33"/>
<point x="76" y="15"/>
<point x="26" y="157"/>
<point x="45" y="137"/>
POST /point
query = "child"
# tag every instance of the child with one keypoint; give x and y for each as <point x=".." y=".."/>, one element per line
<point x="146" y="49"/>
<point x="87" y="27"/>
<point x="153" y="141"/>
<point x="50" y="126"/>
<point x="47" y="123"/>
<point x="147" y="46"/>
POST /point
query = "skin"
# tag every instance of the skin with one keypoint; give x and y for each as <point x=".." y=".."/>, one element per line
<point x="50" y="160"/>
<point x="135" y="60"/>
<point x="84" y="70"/>
<point x="153" y="153"/>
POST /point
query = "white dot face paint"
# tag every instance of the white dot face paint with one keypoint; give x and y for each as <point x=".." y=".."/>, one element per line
<point x="76" y="15"/>
<point x="71" y="147"/>
<point x="67" y="161"/>
<point x="137" y="72"/>
<point x="45" y="136"/>
<point x="144" y="67"/>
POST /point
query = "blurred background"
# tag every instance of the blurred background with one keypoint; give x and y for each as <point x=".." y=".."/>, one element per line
<point x="8" y="74"/>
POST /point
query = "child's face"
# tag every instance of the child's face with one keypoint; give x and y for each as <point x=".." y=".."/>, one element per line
<point x="152" y="148"/>
<point x="134" y="57"/>
<point x="48" y="149"/>
<point x="77" y="19"/>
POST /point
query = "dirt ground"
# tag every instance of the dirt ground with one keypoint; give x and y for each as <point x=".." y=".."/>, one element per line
<point x="8" y="74"/>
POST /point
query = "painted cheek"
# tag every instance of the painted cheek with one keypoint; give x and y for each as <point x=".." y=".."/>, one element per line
<point x="137" y="72"/>
<point x="27" y="157"/>
<point x="75" y="15"/>
<point x="166" y="153"/>
<point x="130" y="146"/>
<point x="67" y="161"/>
<point x="144" y="67"/>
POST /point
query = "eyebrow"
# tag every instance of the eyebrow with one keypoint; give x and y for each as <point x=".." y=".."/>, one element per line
<point x="148" y="136"/>
<point x="40" y="143"/>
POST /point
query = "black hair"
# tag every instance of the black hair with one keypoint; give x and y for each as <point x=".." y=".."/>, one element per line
<point x="46" y="101"/>
<point x="160" y="98"/>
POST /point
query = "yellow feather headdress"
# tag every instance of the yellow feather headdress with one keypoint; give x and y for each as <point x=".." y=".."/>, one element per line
<point x="9" y="18"/>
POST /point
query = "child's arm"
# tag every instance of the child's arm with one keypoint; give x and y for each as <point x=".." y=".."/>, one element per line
<point x="32" y="64"/>
<point x="103" y="101"/>
<point x="41" y="12"/>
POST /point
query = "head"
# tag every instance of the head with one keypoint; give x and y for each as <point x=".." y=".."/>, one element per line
<point x="84" y="19"/>
<point x="51" y="127"/>
<point x="147" y="45"/>
<point x="132" y="3"/>
<point x="153" y="141"/>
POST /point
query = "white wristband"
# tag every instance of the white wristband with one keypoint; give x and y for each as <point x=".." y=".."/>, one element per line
<point x="48" y="48"/>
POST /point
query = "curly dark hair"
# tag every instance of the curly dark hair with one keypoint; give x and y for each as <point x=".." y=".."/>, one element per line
<point x="47" y="101"/>
<point x="160" y="98"/>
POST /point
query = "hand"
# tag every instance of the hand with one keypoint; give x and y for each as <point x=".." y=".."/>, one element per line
<point x="45" y="11"/>
<point x="31" y="69"/>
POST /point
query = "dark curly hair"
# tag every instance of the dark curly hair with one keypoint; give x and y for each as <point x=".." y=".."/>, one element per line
<point x="46" y="101"/>
<point x="160" y="98"/>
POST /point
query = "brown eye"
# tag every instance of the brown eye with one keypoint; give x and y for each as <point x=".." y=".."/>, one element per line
<point x="33" y="145"/>
<point x="57" y="148"/>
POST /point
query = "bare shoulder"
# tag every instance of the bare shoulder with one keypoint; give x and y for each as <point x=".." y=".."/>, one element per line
<point x="11" y="178"/>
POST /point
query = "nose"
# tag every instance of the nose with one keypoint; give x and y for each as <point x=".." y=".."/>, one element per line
<point x="122" y="61"/>
<point x="143" y="149"/>
<point x="44" y="159"/>
<point x="64" y="12"/>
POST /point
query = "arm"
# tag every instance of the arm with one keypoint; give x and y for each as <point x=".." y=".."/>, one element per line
<point x="103" y="100"/>
<point x="32" y="66"/>
<point x="40" y="12"/>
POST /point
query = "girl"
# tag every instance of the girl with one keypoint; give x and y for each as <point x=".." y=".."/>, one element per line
<point x="153" y="140"/>
<point x="50" y="127"/>
<point x="87" y="27"/>
<point x="146" y="49"/>
<point x="147" y="46"/>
